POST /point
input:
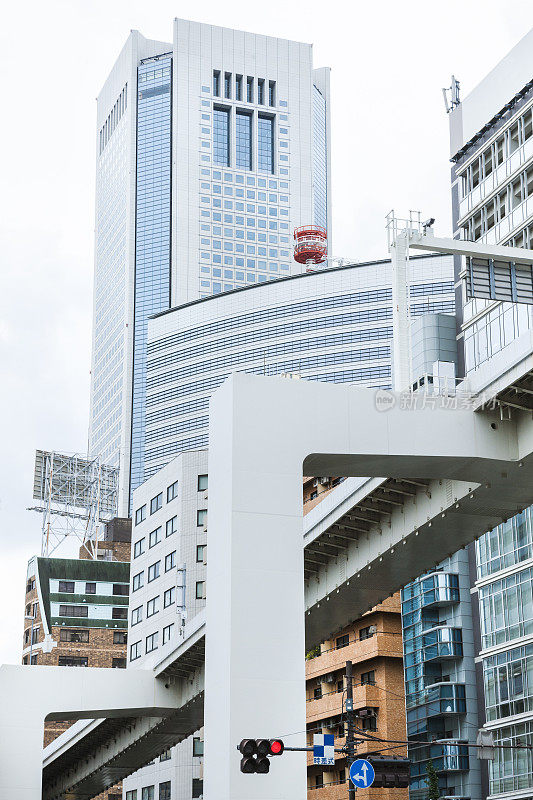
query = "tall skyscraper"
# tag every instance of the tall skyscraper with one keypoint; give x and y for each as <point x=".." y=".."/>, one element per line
<point x="210" y="150"/>
<point x="491" y="134"/>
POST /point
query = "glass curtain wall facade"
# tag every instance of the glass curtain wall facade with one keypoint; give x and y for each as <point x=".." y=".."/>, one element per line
<point x="153" y="227"/>
<point x="320" y="174"/>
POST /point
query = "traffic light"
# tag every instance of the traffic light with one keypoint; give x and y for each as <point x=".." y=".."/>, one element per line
<point x="255" y="753"/>
<point x="390" y="772"/>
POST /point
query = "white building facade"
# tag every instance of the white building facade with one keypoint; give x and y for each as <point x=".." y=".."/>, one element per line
<point x="332" y="325"/>
<point x="169" y="555"/>
<point x="210" y="150"/>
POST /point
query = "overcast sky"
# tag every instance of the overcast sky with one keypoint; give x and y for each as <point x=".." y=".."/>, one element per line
<point x="389" y="61"/>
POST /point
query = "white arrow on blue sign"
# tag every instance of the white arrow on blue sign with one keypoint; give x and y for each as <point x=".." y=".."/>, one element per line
<point x="362" y="774"/>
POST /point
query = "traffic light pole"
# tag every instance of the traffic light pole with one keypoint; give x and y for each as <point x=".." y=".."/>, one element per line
<point x="350" y="739"/>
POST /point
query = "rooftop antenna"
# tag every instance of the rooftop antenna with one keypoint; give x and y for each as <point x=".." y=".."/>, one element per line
<point x="453" y="93"/>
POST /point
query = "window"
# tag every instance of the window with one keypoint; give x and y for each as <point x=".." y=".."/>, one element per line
<point x="200" y="590"/>
<point x="152" y="642"/>
<point x="172" y="526"/>
<point x="156" y="503"/>
<point x="369" y="723"/>
<point x="136" y="615"/>
<point x="66" y="586"/>
<point x="200" y="550"/>
<point x="72" y="661"/>
<point x="30" y="586"/>
<point x="119" y="613"/>
<point x="138" y="548"/>
<point x="197" y="788"/>
<point x="216" y="92"/>
<point x="121" y="589"/>
<point x="367" y="633"/>
<point x="131" y="795"/>
<point x="265" y="144"/>
<point x="317" y="693"/>
<point x="243" y="133"/>
<point x="272" y="93"/>
<point x="368" y="678"/>
<point x="227" y="93"/>
<point x="152" y="606"/>
<point x="73" y="611"/>
<point x="261" y="91"/>
<point x="120" y="637"/>
<point x="172" y="491"/>
<point x="201" y="517"/>
<point x="342" y="641"/>
<point x="90" y="588"/>
<point x="221" y="136"/>
<point x="153" y="571"/>
<point x="238" y="88"/>
<point x="140" y="514"/>
<point x="170" y="561"/>
<point x="340" y="685"/>
<point x="138" y="581"/>
<point x="155" y="537"/>
<point x="168" y="631"/>
<point x="202" y="483"/>
<point x="197" y="746"/>
<point x="118" y="663"/>
<point x="166" y="756"/>
<point x="169" y="597"/>
<point x="342" y="776"/>
<point x="250" y="90"/>
<point x="135" y="651"/>
<point x="68" y="635"/>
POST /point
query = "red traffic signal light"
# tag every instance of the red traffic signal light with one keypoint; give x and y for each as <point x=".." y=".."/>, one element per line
<point x="276" y="747"/>
<point x="255" y="754"/>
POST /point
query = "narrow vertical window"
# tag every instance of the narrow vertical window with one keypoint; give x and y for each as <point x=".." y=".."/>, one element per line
<point x="261" y="91"/>
<point x="216" y="82"/>
<point x="243" y="132"/>
<point x="272" y="93"/>
<point x="265" y="149"/>
<point x="238" y="88"/>
<point x="227" y="85"/>
<point x="221" y="136"/>
<point x="249" y="90"/>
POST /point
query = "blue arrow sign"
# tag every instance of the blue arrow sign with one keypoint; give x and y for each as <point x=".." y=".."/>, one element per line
<point x="362" y="774"/>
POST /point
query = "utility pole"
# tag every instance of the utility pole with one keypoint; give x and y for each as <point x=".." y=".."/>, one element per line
<point x="350" y="742"/>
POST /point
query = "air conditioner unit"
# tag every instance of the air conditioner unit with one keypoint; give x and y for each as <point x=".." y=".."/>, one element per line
<point x="315" y="483"/>
<point x="324" y="481"/>
<point x="329" y="678"/>
<point x="372" y="629"/>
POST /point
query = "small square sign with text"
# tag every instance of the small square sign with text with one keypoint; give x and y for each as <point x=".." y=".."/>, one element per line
<point x="323" y="749"/>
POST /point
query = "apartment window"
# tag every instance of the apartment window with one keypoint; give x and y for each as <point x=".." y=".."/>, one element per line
<point x="136" y="615"/>
<point x="221" y="136"/>
<point x="153" y="571"/>
<point x="169" y="597"/>
<point x="170" y="561"/>
<point x="243" y="134"/>
<point x="152" y="642"/>
<point x="319" y="781"/>
<point x="72" y="661"/>
<point x="342" y="641"/>
<point x="35" y="635"/>
<point x="216" y="92"/>
<point x="202" y="483"/>
<point x="90" y="588"/>
<point x="261" y="91"/>
<point x="197" y="788"/>
<point x="368" y="678"/>
<point x="172" y="526"/>
<point x="342" y="776"/>
<point x="367" y="633"/>
<point x="121" y="589"/>
<point x="152" y="606"/>
<point x="369" y="723"/>
<point x="68" y="635"/>
<point x="140" y="514"/>
<point x="238" y="88"/>
<point x="200" y="590"/>
<point x="265" y="144"/>
<point x="156" y="503"/>
<point x="201" y="517"/>
<point x="197" y="746"/>
<point x="120" y="637"/>
<point x="250" y="90"/>
<point x="166" y="756"/>
<point x="118" y="663"/>
<point x="66" y="586"/>
<point x="131" y="795"/>
<point x="33" y="660"/>
<point x="317" y="692"/>
<point x="30" y="586"/>
<point x="340" y="685"/>
<point x="172" y="491"/>
<point x="27" y="636"/>
<point x="155" y="537"/>
<point x="168" y="632"/>
<point x="200" y="550"/>
<point x="73" y="611"/>
<point x="28" y="609"/>
<point x="138" y="548"/>
<point x="272" y="93"/>
<point x="135" y="651"/>
<point x="119" y="613"/>
<point x="227" y="89"/>
<point x="138" y="581"/>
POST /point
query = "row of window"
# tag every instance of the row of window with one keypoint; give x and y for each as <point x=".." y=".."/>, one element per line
<point x="83" y="661"/>
<point x="243" y="140"/>
<point x="155" y="537"/>
<point x="114" y="117"/>
<point x="148" y="792"/>
<point x="235" y="89"/>
<point x="498" y="207"/>
<point x="83" y="636"/>
<point x="156" y="503"/>
<point x="67" y="587"/>
<point x="83" y="611"/>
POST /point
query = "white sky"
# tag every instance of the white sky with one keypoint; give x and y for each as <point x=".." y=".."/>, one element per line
<point x="389" y="61"/>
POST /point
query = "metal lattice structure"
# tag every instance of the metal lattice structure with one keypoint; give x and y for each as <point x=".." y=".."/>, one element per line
<point x="77" y="496"/>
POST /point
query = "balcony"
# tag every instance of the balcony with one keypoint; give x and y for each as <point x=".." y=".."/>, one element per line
<point x="386" y="645"/>
<point x="442" y="643"/>
<point x="443" y="699"/>
<point x="330" y="705"/>
<point x="439" y="590"/>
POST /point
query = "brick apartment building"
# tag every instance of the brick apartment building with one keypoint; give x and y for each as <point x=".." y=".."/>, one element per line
<point x="374" y="645"/>
<point x="76" y="612"/>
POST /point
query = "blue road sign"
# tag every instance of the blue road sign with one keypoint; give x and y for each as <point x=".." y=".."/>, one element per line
<point x="362" y="774"/>
<point x="323" y="749"/>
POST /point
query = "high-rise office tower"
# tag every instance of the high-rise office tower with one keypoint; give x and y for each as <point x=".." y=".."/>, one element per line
<point x="210" y="150"/>
<point x="491" y="133"/>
